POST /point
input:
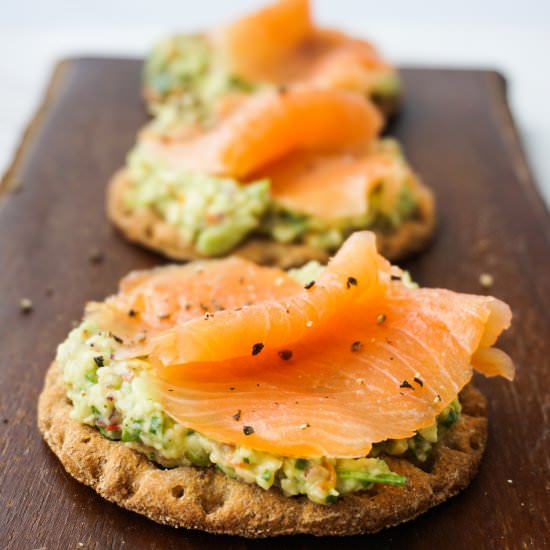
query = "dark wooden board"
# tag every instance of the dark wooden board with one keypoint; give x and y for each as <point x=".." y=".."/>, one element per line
<point x="458" y="133"/>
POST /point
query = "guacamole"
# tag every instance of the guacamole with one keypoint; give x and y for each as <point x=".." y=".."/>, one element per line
<point x="212" y="214"/>
<point x="184" y="78"/>
<point x="115" y="396"/>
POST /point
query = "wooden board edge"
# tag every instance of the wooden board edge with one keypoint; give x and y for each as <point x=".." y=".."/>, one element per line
<point x="9" y="181"/>
<point x="502" y="112"/>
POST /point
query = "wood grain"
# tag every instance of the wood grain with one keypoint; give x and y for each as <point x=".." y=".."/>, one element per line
<point x="458" y="132"/>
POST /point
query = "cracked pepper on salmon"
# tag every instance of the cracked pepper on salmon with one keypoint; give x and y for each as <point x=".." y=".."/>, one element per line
<point x="355" y="358"/>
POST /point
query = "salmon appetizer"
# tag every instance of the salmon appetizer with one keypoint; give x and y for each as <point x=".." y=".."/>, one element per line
<point x="330" y="399"/>
<point x="189" y="79"/>
<point x="283" y="178"/>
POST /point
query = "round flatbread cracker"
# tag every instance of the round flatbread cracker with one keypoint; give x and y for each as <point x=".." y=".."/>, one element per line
<point x="145" y="227"/>
<point x="206" y="499"/>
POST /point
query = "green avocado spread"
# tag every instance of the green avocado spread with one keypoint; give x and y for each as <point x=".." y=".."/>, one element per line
<point x="184" y="78"/>
<point x="114" y="396"/>
<point x="214" y="214"/>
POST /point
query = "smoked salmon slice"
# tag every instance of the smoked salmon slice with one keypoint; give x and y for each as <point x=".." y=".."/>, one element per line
<point x="350" y="280"/>
<point x="351" y="359"/>
<point x="268" y="126"/>
<point x="328" y="59"/>
<point x="342" y="389"/>
<point x="333" y="59"/>
<point x="335" y="187"/>
<point x="265" y="38"/>
<point x="278" y="44"/>
<point x="289" y="48"/>
<point x="153" y="301"/>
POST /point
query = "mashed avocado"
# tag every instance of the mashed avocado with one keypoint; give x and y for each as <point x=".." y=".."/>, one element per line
<point x="214" y="214"/>
<point x="115" y="397"/>
<point x="183" y="78"/>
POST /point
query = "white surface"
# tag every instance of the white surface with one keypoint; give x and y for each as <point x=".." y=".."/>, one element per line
<point x="511" y="36"/>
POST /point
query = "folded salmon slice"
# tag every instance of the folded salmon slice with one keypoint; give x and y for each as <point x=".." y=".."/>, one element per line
<point x="269" y="125"/>
<point x="333" y="187"/>
<point x="332" y="59"/>
<point x="354" y="276"/>
<point x="346" y="386"/>
<point x="265" y="38"/>
<point x="350" y="361"/>
<point x="153" y="301"/>
<point x="359" y="357"/>
<point x="280" y="44"/>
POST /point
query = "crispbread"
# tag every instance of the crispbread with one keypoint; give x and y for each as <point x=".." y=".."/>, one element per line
<point x="145" y="227"/>
<point x="203" y="498"/>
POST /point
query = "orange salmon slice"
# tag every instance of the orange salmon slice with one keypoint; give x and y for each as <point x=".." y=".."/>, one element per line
<point x="333" y="59"/>
<point x="330" y="187"/>
<point x="263" y="38"/>
<point x="269" y="125"/>
<point x="153" y="301"/>
<point x="281" y="44"/>
<point x="278" y="323"/>
<point x="344" y="387"/>
<point x="355" y="358"/>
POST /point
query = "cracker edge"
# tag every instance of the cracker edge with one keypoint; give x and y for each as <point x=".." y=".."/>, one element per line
<point x="146" y="228"/>
<point x="207" y="500"/>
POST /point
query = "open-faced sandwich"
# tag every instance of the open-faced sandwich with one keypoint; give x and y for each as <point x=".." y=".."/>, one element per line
<point x="194" y="75"/>
<point x="282" y="178"/>
<point x="234" y="398"/>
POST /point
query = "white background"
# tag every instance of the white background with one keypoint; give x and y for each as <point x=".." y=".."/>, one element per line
<point x="511" y="36"/>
